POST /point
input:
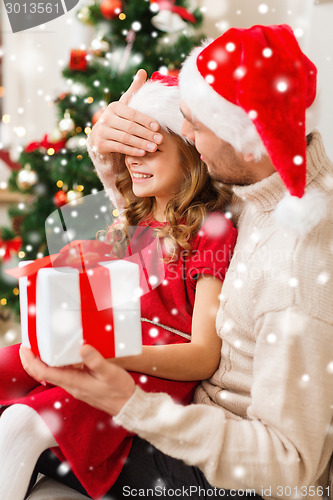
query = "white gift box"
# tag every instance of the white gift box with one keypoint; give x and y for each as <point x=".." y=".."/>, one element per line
<point x="59" y="330"/>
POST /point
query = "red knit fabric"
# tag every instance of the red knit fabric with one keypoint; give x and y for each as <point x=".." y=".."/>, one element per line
<point x="93" y="445"/>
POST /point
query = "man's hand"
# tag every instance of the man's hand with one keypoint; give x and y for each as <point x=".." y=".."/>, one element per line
<point x="100" y="384"/>
<point x="121" y="129"/>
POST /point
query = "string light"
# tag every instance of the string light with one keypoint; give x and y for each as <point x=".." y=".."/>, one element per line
<point x="90" y="100"/>
<point x="122" y="16"/>
<point x="16" y="291"/>
<point x="3" y="301"/>
<point x="60" y="184"/>
<point x="21" y="254"/>
<point x="87" y="130"/>
<point x="80" y="187"/>
<point x="79" y="157"/>
<point x="50" y="151"/>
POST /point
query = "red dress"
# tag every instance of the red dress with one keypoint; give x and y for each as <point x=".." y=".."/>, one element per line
<point x="89" y="441"/>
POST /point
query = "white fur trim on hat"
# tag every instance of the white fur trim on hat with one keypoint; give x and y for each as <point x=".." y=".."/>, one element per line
<point x="301" y="215"/>
<point x="162" y="103"/>
<point x="228" y="121"/>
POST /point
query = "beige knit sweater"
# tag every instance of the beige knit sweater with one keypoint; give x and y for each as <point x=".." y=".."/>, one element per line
<point x="264" y="419"/>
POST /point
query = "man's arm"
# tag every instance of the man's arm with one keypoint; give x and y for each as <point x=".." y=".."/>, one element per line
<point x="280" y="444"/>
<point x="285" y="441"/>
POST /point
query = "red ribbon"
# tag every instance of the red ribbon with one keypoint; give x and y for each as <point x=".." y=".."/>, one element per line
<point x="181" y="11"/>
<point x="46" y="144"/>
<point x="9" y="246"/>
<point x="96" y="311"/>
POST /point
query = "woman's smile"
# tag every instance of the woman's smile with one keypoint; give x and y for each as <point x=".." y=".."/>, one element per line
<point x="140" y="176"/>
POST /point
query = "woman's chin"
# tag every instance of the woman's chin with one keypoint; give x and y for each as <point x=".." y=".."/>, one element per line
<point x="141" y="193"/>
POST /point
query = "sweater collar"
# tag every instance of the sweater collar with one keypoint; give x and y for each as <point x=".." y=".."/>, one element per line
<point x="267" y="193"/>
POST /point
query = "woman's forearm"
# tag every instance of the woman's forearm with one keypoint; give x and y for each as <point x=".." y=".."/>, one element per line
<point x="173" y="361"/>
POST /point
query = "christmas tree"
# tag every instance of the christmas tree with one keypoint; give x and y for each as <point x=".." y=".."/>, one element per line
<point x="132" y="34"/>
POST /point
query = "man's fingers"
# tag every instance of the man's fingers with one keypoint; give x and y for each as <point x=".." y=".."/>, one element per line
<point x="118" y="147"/>
<point x="135" y="129"/>
<point x="122" y="129"/>
<point x="125" y="139"/>
<point x="139" y="79"/>
<point x="124" y="111"/>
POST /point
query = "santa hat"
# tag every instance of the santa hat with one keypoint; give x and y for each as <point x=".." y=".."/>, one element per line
<point x="252" y="88"/>
<point x="159" y="98"/>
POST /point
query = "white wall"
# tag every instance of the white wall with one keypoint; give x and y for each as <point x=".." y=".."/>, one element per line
<point x="320" y="50"/>
<point x="223" y="14"/>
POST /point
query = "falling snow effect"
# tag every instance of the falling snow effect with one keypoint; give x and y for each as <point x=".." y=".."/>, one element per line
<point x="323" y="277"/>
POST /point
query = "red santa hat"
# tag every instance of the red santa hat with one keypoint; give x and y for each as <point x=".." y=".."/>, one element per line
<point x="159" y="98"/>
<point x="253" y="88"/>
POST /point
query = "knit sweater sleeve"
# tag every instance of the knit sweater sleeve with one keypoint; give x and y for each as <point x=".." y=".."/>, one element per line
<point x="280" y="443"/>
<point x="108" y="167"/>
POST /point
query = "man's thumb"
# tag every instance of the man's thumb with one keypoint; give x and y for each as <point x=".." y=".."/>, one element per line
<point x="139" y="79"/>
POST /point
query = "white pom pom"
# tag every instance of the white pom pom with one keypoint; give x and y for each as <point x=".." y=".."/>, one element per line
<point x="301" y="214"/>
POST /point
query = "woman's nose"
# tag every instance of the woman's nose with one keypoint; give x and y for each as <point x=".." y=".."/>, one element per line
<point x="132" y="160"/>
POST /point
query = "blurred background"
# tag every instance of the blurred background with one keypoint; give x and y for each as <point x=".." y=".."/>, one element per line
<point x="55" y="80"/>
<point x="31" y="61"/>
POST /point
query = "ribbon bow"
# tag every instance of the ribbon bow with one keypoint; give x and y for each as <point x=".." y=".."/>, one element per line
<point x="46" y="144"/>
<point x="79" y="254"/>
<point x="9" y="246"/>
<point x="96" y="301"/>
<point x="176" y="9"/>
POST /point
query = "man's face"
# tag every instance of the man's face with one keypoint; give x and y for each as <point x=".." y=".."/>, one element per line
<point x="223" y="162"/>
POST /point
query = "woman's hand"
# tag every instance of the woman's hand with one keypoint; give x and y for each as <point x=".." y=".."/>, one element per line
<point x="121" y="129"/>
<point x="100" y="384"/>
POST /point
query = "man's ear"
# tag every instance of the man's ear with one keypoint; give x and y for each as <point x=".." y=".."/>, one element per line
<point x="248" y="157"/>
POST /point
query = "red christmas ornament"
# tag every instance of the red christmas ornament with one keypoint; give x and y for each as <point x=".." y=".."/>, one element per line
<point x="173" y="72"/>
<point x="60" y="199"/>
<point x="78" y="60"/>
<point x="110" y="9"/>
<point x="97" y="115"/>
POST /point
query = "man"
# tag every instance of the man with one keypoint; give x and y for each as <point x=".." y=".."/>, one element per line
<point x="263" y="422"/>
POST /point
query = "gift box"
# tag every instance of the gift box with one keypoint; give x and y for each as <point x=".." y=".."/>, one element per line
<point x="64" y="307"/>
